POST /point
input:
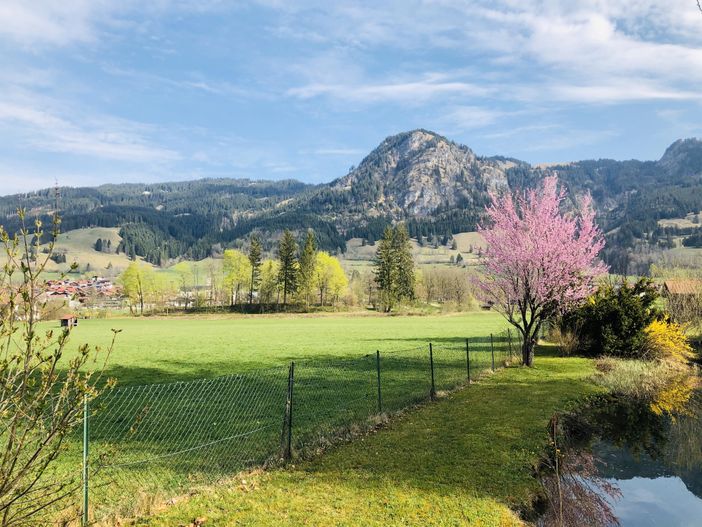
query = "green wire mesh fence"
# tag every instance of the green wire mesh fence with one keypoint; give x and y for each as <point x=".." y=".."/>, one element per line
<point x="151" y="443"/>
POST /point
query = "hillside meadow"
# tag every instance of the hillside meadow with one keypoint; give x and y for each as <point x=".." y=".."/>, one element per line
<point x="78" y="245"/>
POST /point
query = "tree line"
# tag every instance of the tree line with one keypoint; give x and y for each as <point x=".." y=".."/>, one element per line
<point x="298" y="274"/>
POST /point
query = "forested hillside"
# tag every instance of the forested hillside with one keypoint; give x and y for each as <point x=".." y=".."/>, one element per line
<point x="435" y="185"/>
<point x="159" y="221"/>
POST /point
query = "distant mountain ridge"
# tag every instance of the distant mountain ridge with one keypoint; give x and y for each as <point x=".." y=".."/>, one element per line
<point x="432" y="183"/>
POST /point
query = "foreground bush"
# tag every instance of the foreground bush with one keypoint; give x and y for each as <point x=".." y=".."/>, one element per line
<point x="42" y="394"/>
<point x="613" y="321"/>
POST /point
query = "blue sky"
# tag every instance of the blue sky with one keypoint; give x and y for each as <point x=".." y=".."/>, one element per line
<point x="95" y="91"/>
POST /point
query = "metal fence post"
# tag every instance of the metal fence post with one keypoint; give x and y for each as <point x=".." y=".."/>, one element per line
<point x="509" y="339"/>
<point x="287" y="420"/>
<point x="432" y="393"/>
<point x="468" y="360"/>
<point x="377" y="367"/>
<point x="86" y="438"/>
<point x="492" y="351"/>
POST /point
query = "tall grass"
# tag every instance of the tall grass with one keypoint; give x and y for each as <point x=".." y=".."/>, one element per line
<point x="636" y="378"/>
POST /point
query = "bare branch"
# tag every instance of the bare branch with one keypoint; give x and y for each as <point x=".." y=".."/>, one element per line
<point x="41" y="393"/>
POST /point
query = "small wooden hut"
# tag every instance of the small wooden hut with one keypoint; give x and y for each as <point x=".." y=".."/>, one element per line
<point x="69" y="321"/>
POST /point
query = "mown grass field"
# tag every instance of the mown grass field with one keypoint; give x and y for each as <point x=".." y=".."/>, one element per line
<point x="178" y="348"/>
<point x="465" y="460"/>
<point x="154" y="439"/>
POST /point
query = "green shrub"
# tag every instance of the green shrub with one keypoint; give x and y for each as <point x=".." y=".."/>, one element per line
<point x="613" y="321"/>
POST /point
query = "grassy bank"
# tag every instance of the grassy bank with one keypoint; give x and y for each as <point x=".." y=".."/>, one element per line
<point x="466" y="459"/>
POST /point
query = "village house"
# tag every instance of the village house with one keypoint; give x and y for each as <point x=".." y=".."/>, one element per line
<point x="78" y="293"/>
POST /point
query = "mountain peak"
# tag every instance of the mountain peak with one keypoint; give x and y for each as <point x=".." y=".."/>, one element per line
<point x="417" y="139"/>
<point x="683" y="158"/>
<point x="409" y="174"/>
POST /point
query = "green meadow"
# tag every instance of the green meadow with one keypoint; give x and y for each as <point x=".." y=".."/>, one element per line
<point x="199" y="398"/>
<point x="180" y="348"/>
<point x="467" y="459"/>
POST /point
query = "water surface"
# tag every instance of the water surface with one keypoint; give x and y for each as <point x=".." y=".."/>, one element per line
<point x="657" y="466"/>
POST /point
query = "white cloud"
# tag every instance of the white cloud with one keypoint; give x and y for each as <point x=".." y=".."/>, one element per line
<point x="469" y="117"/>
<point x="337" y="152"/>
<point x="105" y="137"/>
<point x="411" y="92"/>
<point x="34" y="23"/>
<point x="51" y="22"/>
<point x="190" y="81"/>
<point x="599" y="51"/>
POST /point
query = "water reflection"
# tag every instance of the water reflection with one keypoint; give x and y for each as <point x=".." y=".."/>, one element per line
<point x="634" y="465"/>
<point x="663" y="485"/>
<point x="661" y="501"/>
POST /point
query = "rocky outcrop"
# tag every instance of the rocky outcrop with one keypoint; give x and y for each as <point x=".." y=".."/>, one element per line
<point x="415" y="173"/>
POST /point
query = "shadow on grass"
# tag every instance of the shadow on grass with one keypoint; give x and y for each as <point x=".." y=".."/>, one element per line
<point x="481" y="441"/>
<point x="159" y="437"/>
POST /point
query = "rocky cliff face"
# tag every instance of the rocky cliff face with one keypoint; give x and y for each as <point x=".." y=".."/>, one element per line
<point x="683" y="158"/>
<point x="415" y="173"/>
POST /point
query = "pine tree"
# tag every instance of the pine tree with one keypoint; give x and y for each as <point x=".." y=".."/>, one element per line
<point x="394" y="267"/>
<point x="385" y="269"/>
<point x="306" y="267"/>
<point x="255" y="261"/>
<point x="402" y="249"/>
<point x="98" y="245"/>
<point x="287" y="273"/>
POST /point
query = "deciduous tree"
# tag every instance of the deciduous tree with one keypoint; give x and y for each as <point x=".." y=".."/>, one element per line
<point x="268" y="293"/>
<point x="137" y="283"/>
<point x="329" y="277"/>
<point x="186" y="280"/>
<point x="237" y="272"/>
<point x="539" y="260"/>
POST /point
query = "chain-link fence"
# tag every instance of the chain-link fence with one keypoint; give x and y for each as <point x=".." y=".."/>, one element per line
<point x="154" y="442"/>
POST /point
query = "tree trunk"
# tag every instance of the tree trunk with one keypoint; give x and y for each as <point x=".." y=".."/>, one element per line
<point x="528" y="351"/>
<point x="251" y="291"/>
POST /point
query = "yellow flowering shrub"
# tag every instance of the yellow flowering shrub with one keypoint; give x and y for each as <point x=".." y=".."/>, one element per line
<point x="674" y="398"/>
<point x="667" y="340"/>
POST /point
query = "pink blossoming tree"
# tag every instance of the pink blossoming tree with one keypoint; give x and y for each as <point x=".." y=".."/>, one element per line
<point x="539" y="261"/>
